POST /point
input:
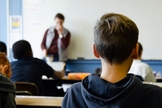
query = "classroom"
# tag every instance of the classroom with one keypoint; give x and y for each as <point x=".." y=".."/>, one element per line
<point x="58" y="37"/>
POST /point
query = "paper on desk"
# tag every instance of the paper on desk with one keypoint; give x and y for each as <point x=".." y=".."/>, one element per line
<point x="45" y="77"/>
<point x="57" y="66"/>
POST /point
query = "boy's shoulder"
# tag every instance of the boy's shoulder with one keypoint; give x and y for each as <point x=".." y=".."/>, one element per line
<point x="152" y="88"/>
<point x="73" y="97"/>
<point x="6" y="84"/>
<point x="152" y="96"/>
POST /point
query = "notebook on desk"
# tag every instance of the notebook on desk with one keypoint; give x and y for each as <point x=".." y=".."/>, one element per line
<point x="58" y="66"/>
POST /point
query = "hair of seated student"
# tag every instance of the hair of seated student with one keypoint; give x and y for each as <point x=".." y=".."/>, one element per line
<point x="4" y="61"/>
<point x="60" y="16"/>
<point x="115" y="36"/>
<point x="22" y="49"/>
<point x="3" y="47"/>
<point x="140" y="49"/>
<point x="98" y="71"/>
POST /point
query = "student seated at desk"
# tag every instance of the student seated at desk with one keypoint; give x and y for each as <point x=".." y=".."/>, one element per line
<point x="30" y="69"/>
<point x="142" y="69"/>
<point x="115" y="38"/>
<point x="7" y="87"/>
<point x="98" y="71"/>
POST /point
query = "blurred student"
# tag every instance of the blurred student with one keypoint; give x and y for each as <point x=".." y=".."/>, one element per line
<point x="30" y="69"/>
<point x="98" y="71"/>
<point x="3" y="48"/>
<point x="56" y="40"/>
<point x="142" y="69"/>
<point x="7" y="87"/>
<point x="115" y="38"/>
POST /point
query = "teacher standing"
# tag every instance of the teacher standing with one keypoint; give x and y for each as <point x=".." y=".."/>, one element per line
<point x="56" y="40"/>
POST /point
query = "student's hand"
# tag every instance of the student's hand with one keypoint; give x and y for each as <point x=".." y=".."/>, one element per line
<point x="60" y="74"/>
<point x="60" y="30"/>
<point x="44" y="52"/>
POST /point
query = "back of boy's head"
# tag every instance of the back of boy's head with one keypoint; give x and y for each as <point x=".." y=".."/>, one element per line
<point x="3" y="47"/>
<point x="4" y="61"/>
<point x="140" y="49"/>
<point x="115" y="37"/>
<point x="22" y="49"/>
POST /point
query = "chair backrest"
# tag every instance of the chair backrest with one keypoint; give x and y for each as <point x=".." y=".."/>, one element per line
<point x="26" y="87"/>
<point x="23" y="93"/>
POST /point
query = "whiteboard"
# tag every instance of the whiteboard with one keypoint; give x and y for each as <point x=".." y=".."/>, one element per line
<point x="81" y="16"/>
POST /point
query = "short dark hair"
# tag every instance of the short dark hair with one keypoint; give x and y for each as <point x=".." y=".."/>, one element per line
<point x="60" y="16"/>
<point x="98" y="71"/>
<point x="140" y="49"/>
<point x="22" y="49"/>
<point x="3" y="47"/>
<point x="115" y="36"/>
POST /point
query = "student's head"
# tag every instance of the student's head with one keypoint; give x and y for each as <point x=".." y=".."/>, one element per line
<point x="98" y="71"/>
<point x="59" y="19"/>
<point x="22" y="49"/>
<point x="115" y="38"/>
<point x="140" y="50"/>
<point x="3" y="48"/>
<point x="5" y="67"/>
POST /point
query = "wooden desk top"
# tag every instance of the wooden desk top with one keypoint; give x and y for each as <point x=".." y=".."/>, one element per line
<point x="38" y="101"/>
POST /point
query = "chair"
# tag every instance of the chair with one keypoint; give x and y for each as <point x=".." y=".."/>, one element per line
<point x="23" y="93"/>
<point x="26" y="88"/>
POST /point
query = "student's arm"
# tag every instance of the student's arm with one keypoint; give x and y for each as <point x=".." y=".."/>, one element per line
<point x="9" y="101"/>
<point x="49" y="72"/>
<point x="149" y="75"/>
<point x="60" y="74"/>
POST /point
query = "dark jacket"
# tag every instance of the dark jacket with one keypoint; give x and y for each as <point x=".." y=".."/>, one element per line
<point x="7" y="93"/>
<point x="31" y="70"/>
<point x="94" y="92"/>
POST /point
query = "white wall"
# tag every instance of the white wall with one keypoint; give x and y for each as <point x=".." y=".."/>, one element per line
<point x="81" y="16"/>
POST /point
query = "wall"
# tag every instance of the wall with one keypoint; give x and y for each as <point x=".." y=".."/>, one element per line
<point x="9" y="8"/>
<point x="3" y="20"/>
<point x="15" y="10"/>
<point x="81" y="16"/>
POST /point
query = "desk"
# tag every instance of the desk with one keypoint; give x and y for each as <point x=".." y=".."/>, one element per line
<point x="38" y="101"/>
<point x="158" y="79"/>
<point x="50" y="86"/>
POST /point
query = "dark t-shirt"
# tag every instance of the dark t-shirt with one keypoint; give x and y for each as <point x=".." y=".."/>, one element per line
<point x="31" y="70"/>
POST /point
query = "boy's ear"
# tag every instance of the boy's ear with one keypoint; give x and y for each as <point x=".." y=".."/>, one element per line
<point x="3" y="69"/>
<point x="95" y="51"/>
<point x="135" y="51"/>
